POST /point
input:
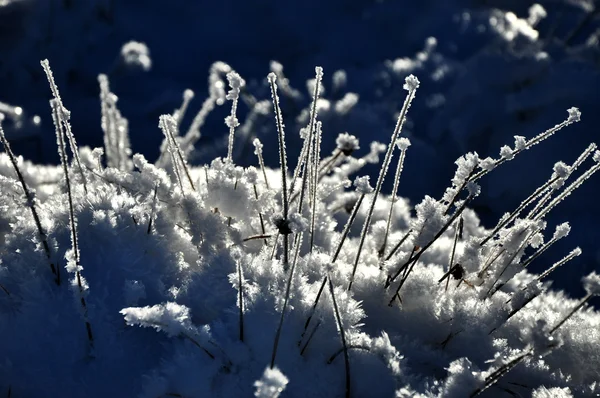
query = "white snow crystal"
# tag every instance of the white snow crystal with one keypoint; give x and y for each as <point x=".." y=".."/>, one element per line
<point x="136" y="54"/>
<point x="347" y="143"/>
<point x="258" y="146"/>
<point x="411" y="83"/>
<point x="362" y="185"/>
<point x="403" y="143"/>
<point x="561" y="170"/>
<point x="506" y="152"/>
<point x="346" y="104"/>
<point x="596" y="156"/>
<point x="171" y="318"/>
<point x="536" y="14"/>
<point x="487" y="164"/>
<point x="297" y="223"/>
<point x="574" y="115"/>
<point x="591" y="284"/>
<point x="271" y="384"/>
<point x="562" y="230"/>
<point x="554" y="392"/>
<point x="520" y="142"/>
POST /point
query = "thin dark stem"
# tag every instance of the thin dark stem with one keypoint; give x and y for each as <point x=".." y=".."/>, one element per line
<point x="342" y="336"/>
<point x="30" y="203"/>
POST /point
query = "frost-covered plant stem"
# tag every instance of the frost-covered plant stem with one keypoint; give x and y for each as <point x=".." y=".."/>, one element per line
<point x="153" y="211"/>
<point x="60" y="137"/>
<point x="314" y="185"/>
<point x="334" y="257"/>
<point x="241" y="299"/>
<point x="63" y="117"/>
<point x="167" y="123"/>
<point x="340" y="325"/>
<point x="518" y="210"/>
<point x="568" y="191"/>
<point x="411" y="85"/>
<point x="574" y="253"/>
<point x="236" y="83"/>
<point x="493" y="377"/>
<point x="286" y="298"/>
<point x="283" y="163"/>
<point x="589" y="150"/>
<point x="574" y="116"/>
<point x="30" y="199"/>
<point x="584" y="300"/>
<point x="393" y="200"/>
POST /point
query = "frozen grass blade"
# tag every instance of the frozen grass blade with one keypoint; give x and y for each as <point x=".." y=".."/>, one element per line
<point x="167" y="124"/>
<point x="574" y="253"/>
<point x="403" y="144"/>
<point x="236" y="83"/>
<point x="60" y="138"/>
<point x="29" y="196"/>
<point x="64" y="117"/>
<point x="283" y="164"/>
<point x="179" y="114"/>
<point x="314" y="185"/>
<point x="411" y="85"/>
<point x="286" y="298"/>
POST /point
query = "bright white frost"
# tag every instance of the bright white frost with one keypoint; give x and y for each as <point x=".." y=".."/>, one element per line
<point x="271" y="384"/>
<point x="196" y="252"/>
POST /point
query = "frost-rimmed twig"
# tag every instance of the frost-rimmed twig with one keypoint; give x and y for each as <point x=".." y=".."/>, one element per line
<point x="179" y="113"/>
<point x="30" y="199"/>
<point x="521" y="145"/>
<point x="561" y="231"/>
<point x="115" y="128"/>
<point x="314" y="185"/>
<point x="505" y="221"/>
<point x="236" y="83"/>
<point x="288" y="288"/>
<point x="153" y="211"/>
<point x="591" y="284"/>
<point x="403" y="144"/>
<point x="241" y="299"/>
<point x="569" y="190"/>
<point x="167" y="123"/>
<point x="574" y="253"/>
<point x="258" y="146"/>
<point x="589" y="150"/>
<point x="75" y="256"/>
<point x="411" y="85"/>
<point x="283" y="164"/>
<point x="64" y="118"/>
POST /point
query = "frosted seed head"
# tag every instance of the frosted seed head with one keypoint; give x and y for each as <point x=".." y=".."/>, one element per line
<point x="473" y="189"/>
<point x="347" y="143"/>
<point x="188" y="94"/>
<point x="561" y="170"/>
<point x="272" y="77"/>
<point x="319" y="72"/>
<point x="596" y="156"/>
<point x="362" y="185"/>
<point x="231" y="121"/>
<point x="411" y="83"/>
<point x="136" y="54"/>
<point x="506" y="153"/>
<point x="591" y="284"/>
<point x="258" y="146"/>
<point x="487" y="164"/>
<point x="251" y="175"/>
<point x="562" y="230"/>
<point x="520" y="143"/>
<point x="403" y="143"/>
<point x="574" y="115"/>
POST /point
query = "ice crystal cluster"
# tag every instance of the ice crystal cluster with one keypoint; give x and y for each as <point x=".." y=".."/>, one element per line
<point x="121" y="277"/>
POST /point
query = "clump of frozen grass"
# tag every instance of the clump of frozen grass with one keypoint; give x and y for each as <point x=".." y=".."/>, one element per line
<point x="237" y="273"/>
